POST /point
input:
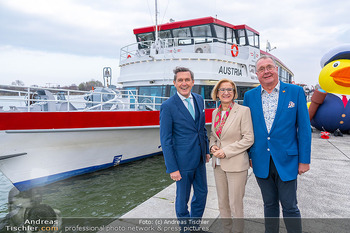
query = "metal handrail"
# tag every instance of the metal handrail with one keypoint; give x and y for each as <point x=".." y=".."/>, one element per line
<point x="127" y="98"/>
<point x="74" y="97"/>
<point x="167" y="43"/>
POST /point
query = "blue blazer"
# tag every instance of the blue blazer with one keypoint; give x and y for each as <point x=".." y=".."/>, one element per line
<point x="184" y="140"/>
<point x="289" y="140"/>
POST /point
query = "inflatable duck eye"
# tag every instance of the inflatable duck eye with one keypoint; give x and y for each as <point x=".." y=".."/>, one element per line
<point x="336" y="64"/>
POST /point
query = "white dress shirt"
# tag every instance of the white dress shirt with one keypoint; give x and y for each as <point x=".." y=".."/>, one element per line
<point x="183" y="98"/>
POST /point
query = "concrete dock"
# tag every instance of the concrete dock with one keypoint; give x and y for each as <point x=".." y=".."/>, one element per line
<point x="323" y="195"/>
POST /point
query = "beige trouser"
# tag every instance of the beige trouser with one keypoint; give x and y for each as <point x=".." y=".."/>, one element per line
<point x="230" y="187"/>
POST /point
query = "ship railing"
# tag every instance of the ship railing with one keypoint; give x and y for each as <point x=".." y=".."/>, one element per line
<point x="130" y="100"/>
<point x="37" y="99"/>
<point x="20" y="98"/>
<point x="181" y="44"/>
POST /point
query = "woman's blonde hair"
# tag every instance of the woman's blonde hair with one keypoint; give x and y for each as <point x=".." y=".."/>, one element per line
<point x="214" y="92"/>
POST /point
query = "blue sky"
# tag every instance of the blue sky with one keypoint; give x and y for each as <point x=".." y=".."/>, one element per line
<point x="70" y="41"/>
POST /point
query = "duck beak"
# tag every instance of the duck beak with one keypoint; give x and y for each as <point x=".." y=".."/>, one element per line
<point x="342" y="76"/>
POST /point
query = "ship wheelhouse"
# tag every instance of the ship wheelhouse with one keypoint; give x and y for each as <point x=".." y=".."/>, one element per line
<point x="207" y="32"/>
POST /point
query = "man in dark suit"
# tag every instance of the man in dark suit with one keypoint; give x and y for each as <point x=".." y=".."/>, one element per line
<point x="185" y="144"/>
<point x="282" y="146"/>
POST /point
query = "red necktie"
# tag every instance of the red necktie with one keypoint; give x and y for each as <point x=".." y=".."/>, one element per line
<point x="345" y="100"/>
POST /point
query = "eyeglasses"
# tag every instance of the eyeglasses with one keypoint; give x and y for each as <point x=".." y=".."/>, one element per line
<point x="225" y="89"/>
<point x="267" y="68"/>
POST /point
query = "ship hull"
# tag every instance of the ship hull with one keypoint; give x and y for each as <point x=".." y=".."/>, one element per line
<point x="37" y="149"/>
<point x="42" y="155"/>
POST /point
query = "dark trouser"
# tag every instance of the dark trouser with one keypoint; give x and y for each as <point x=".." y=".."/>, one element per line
<point x="198" y="179"/>
<point x="273" y="191"/>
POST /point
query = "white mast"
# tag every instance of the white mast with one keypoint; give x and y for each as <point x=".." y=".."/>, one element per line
<point x="156" y="21"/>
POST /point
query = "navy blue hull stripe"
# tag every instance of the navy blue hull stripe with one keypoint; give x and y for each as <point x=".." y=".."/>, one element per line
<point x="29" y="184"/>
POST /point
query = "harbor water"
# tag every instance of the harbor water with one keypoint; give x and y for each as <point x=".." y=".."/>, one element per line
<point x="108" y="193"/>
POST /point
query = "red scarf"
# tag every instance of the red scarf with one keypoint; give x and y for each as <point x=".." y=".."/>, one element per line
<point x="220" y="122"/>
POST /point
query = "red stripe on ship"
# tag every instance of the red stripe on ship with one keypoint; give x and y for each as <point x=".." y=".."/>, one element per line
<point x="70" y="120"/>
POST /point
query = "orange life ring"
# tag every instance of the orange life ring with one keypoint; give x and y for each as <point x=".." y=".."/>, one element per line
<point x="234" y="54"/>
<point x="129" y="56"/>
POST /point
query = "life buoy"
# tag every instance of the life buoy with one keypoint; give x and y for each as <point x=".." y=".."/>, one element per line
<point x="234" y="53"/>
<point x="129" y="56"/>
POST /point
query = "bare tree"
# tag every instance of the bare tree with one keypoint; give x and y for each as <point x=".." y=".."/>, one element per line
<point x="87" y="86"/>
<point x="18" y="83"/>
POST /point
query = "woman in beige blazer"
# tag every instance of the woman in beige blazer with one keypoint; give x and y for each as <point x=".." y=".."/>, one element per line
<point x="231" y="136"/>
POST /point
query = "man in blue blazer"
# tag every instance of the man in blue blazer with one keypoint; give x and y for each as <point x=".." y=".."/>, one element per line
<point x="282" y="146"/>
<point x="185" y="144"/>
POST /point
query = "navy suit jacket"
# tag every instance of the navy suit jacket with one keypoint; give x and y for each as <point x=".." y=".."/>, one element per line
<point x="289" y="140"/>
<point x="184" y="140"/>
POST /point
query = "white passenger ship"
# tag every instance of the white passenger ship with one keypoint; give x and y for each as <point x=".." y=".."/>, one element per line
<point x="54" y="134"/>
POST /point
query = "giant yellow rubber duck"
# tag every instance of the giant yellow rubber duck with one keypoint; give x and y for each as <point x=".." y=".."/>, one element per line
<point x="330" y="106"/>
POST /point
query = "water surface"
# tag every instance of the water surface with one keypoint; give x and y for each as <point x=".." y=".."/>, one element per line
<point x="107" y="193"/>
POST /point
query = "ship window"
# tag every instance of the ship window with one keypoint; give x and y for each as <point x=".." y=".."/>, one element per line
<point x="182" y="33"/>
<point x="279" y="71"/>
<point x="241" y="91"/>
<point x="206" y="94"/>
<point x="165" y="35"/>
<point x="220" y="32"/>
<point x="253" y="39"/>
<point x="204" y="91"/>
<point x="152" y="91"/>
<point x="145" y="37"/>
<point x="284" y="75"/>
<point x="203" y="31"/>
<point x="256" y="40"/>
<point x="144" y="40"/>
<point x="172" y="91"/>
<point x="241" y="37"/>
<point x="229" y="35"/>
<point x="149" y="92"/>
<point x="250" y="37"/>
